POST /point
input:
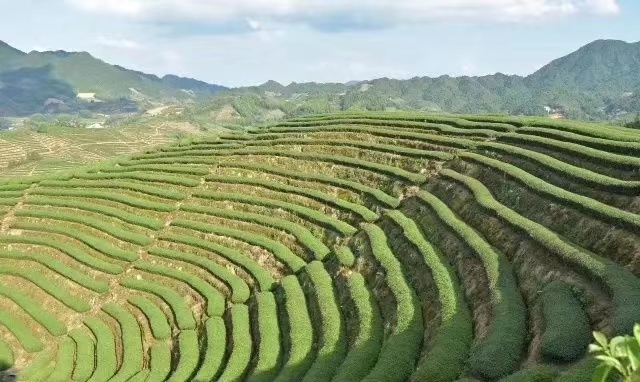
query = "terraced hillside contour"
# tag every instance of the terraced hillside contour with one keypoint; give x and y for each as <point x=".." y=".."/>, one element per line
<point x="371" y="247"/>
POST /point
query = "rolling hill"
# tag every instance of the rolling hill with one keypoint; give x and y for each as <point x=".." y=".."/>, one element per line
<point x="339" y="247"/>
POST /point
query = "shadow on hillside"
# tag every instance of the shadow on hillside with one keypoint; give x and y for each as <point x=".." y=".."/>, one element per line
<point x="33" y="90"/>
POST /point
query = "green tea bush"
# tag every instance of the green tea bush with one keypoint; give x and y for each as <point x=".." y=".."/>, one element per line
<point x="268" y="347"/>
<point x="498" y="354"/>
<point x="53" y="288"/>
<point x="65" y="362"/>
<point x="580" y="151"/>
<point x="239" y="289"/>
<point x="332" y="342"/>
<point x="162" y="192"/>
<point x="300" y="335"/>
<point x="107" y="195"/>
<point x="215" y="300"/>
<point x="98" y="244"/>
<point x="620" y="147"/>
<point x="280" y="251"/>
<point x="119" y="232"/>
<point x="567" y="330"/>
<point x="345" y="256"/>
<point x="377" y="194"/>
<point x="6" y="356"/>
<point x="242" y="344"/>
<point x="181" y="311"/>
<point x="158" y="322"/>
<point x="621" y="283"/>
<point x="85" y="354"/>
<point x="301" y="211"/>
<point x="450" y="347"/>
<point x="370" y="146"/>
<point x="583" y="203"/>
<point x="538" y="373"/>
<point x="106" y="361"/>
<point x="402" y="348"/>
<point x="188" y="356"/>
<point x="64" y="247"/>
<point x="79" y="277"/>
<point x="131" y="336"/>
<point x="160" y="362"/>
<point x="144" y="177"/>
<point x="135" y="219"/>
<point x="40" y="368"/>
<point x="260" y="274"/>
<point x="551" y="164"/>
<point x="34" y="309"/>
<point x="187" y="170"/>
<point x="21" y="331"/>
<point x="214" y="352"/>
<point x="441" y="140"/>
<point x="363" y="353"/>
<point x="302" y="234"/>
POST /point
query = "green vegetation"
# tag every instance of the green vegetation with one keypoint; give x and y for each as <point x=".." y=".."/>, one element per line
<point x="279" y="250"/>
<point x="498" y="353"/>
<point x="131" y="342"/>
<point x="35" y="310"/>
<point x="106" y="357"/>
<point x="300" y="332"/>
<point x="23" y="334"/>
<point x="303" y="235"/>
<point x="214" y="353"/>
<point x="332" y="344"/>
<point x="619" y="357"/>
<point x="266" y="368"/>
<point x="182" y="313"/>
<point x="239" y="289"/>
<point x="157" y="320"/>
<point x="303" y="212"/>
<point x="400" y="350"/>
<point x="241" y="339"/>
<point x="85" y="354"/>
<point x="566" y="334"/>
<point x="450" y="348"/>
<point x="188" y="350"/>
<point x="65" y="362"/>
<point x="363" y="354"/>
<point x="351" y="247"/>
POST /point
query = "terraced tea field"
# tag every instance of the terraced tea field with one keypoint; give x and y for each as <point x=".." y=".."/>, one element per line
<point x="25" y="152"/>
<point x="376" y="247"/>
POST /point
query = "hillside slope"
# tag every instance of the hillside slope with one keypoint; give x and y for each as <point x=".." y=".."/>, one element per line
<point x="83" y="73"/>
<point x="350" y="247"/>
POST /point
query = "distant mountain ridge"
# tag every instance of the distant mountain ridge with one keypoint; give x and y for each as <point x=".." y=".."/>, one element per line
<point x="601" y="80"/>
<point x="41" y="73"/>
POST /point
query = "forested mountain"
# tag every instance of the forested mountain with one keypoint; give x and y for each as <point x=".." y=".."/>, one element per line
<point x="599" y="81"/>
<point x="51" y="81"/>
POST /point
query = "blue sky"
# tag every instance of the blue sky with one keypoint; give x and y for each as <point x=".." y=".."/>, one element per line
<point x="247" y="42"/>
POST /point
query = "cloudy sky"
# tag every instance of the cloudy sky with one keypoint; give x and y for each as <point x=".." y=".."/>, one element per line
<point x="246" y="42"/>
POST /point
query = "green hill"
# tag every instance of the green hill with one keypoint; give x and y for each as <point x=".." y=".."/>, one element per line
<point x="386" y="247"/>
<point x="600" y="81"/>
<point x="86" y="74"/>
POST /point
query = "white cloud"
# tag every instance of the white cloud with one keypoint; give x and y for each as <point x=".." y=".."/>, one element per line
<point x="119" y="43"/>
<point x="343" y="14"/>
